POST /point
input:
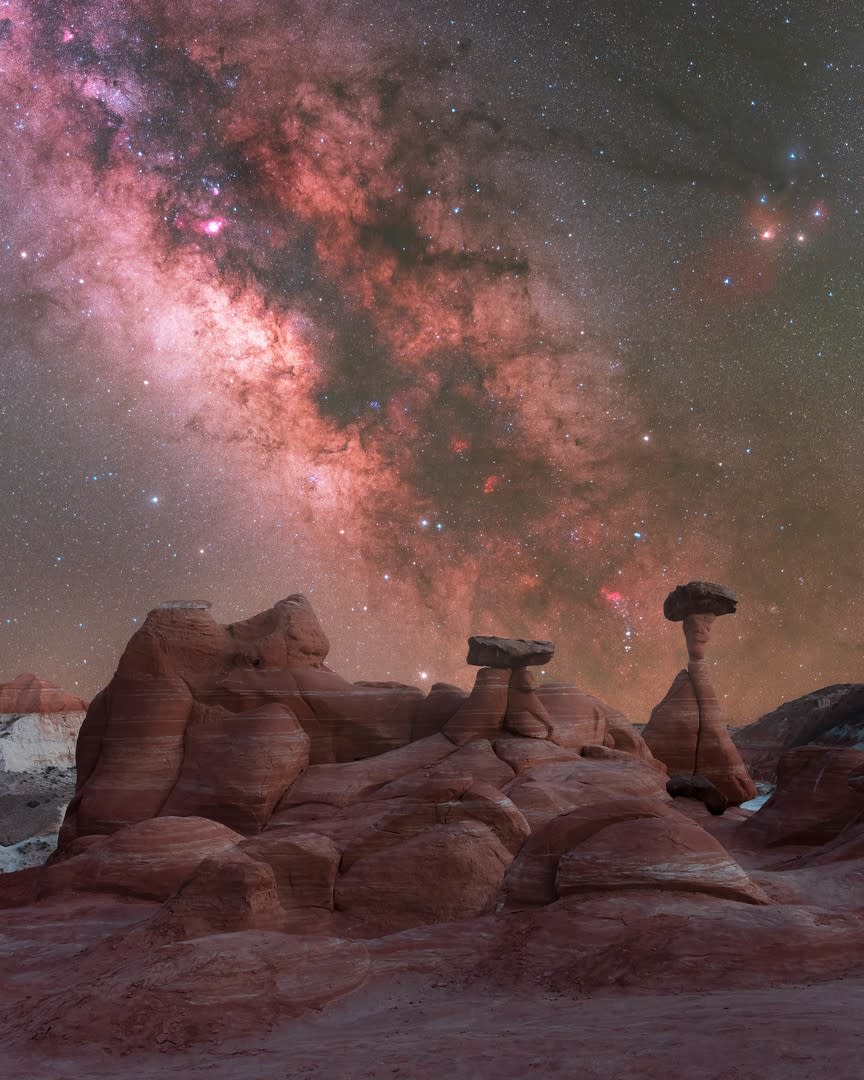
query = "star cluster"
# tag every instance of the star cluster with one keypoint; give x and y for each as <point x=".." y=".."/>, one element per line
<point x="475" y="318"/>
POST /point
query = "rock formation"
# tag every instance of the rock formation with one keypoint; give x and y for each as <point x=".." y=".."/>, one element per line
<point x="39" y="724"/>
<point x="686" y="730"/>
<point x="255" y="841"/>
<point x="832" y="716"/>
<point x="29" y="694"/>
<point x="816" y="797"/>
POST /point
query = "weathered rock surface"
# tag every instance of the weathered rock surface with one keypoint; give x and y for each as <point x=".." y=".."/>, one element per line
<point x="832" y="716"/>
<point x="688" y="734"/>
<point x="254" y="838"/>
<point x="29" y="694"/>
<point x="547" y="790"/>
<point x="236" y="766"/>
<point x="498" y="652"/>
<point x="813" y="801"/>
<point x="698" y="787"/>
<point x="699" y="598"/>
<point x="623" y="843"/>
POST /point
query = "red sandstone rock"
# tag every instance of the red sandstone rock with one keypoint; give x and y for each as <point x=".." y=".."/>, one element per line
<point x="812" y="802"/>
<point x="624" y="843"/>
<point x="226" y="893"/>
<point x="545" y="791"/>
<point x="449" y="872"/>
<point x="829" y="716"/>
<point x="347" y="782"/>
<point x="143" y="723"/>
<point x="203" y="991"/>
<point x="481" y="716"/>
<point x="436" y="708"/>
<point x="660" y="852"/>
<point x="236" y="766"/>
<point x="687" y="733"/>
<point x="304" y="864"/>
<point x="473" y="761"/>
<point x="525" y="714"/>
<point x="28" y="694"/>
<point x="185" y="686"/>
<point x="362" y="719"/>
<point x="523" y="754"/>
<point x="575" y="718"/>
<point x="149" y="859"/>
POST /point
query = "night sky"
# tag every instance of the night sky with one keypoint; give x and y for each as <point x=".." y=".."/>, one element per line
<point x="458" y="318"/>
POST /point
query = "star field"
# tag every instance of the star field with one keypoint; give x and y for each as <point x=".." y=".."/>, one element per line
<point x="466" y="318"/>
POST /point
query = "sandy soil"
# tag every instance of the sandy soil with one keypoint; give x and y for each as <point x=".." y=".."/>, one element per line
<point x="781" y="1033"/>
<point x="422" y="1023"/>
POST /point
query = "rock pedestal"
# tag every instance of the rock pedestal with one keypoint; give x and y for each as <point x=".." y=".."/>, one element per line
<point x="687" y="731"/>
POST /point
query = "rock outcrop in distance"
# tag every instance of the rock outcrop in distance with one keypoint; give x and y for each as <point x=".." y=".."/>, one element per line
<point x="265" y="837"/>
<point x="831" y="716"/>
<point x="39" y="724"/>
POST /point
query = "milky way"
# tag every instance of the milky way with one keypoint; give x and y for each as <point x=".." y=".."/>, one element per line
<point x="458" y="320"/>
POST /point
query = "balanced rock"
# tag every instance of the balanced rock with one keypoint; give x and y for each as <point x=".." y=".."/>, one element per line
<point x="499" y="652"/>
<point x="687" y="730"/>
<point x="699" y="598"/>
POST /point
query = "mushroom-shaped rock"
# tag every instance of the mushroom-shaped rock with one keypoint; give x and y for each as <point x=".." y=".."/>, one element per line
<point x="499" y="652"/>
<point x="813" y="800"/>
<point x="699" y="598"/>
<point x="687" y="731"/>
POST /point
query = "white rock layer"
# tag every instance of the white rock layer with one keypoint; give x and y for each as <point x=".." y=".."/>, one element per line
<point x="30" y="741"/>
